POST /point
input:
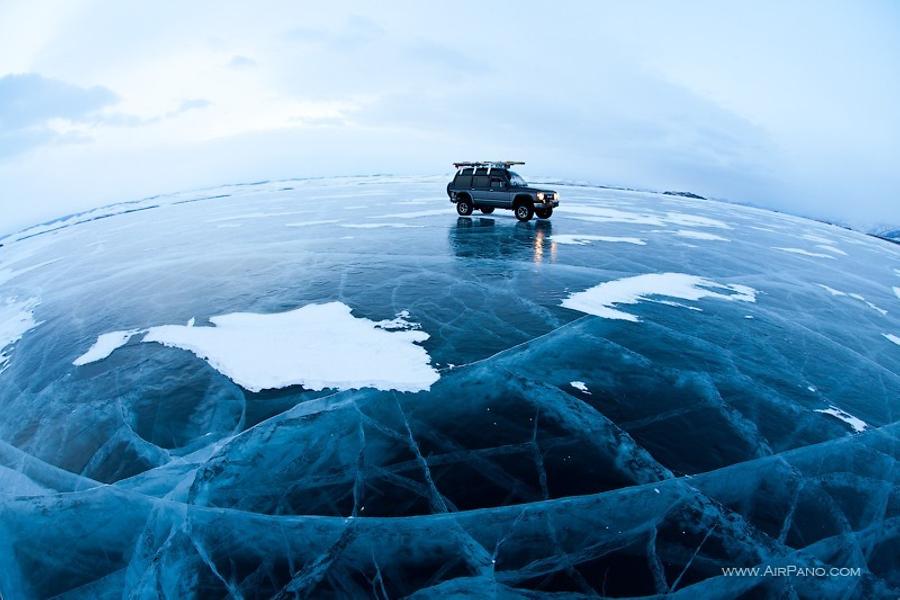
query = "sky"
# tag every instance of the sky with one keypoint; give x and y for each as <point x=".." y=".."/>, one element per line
<point x="788" y="105"/>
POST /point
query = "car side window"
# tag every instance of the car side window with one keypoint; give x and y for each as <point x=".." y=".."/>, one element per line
<point x="498" y="181"/>
<point x="481" y="179"/>
<point x="463" y="179"/>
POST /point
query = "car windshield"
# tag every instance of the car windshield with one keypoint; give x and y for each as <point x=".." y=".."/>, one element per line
<point x="516" y="180"/>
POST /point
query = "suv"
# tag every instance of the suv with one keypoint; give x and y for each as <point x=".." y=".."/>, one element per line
<point x="490" y="185"/>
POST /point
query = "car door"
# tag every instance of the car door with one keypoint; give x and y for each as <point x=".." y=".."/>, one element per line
<point x="481" y="187"/>
<point x="499" y="192"/>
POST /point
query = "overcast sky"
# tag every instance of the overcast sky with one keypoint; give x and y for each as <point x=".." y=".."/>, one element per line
<point x="792" y="105"/>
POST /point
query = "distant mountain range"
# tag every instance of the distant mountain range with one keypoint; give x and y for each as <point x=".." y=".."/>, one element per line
<point x="887" y="233"/>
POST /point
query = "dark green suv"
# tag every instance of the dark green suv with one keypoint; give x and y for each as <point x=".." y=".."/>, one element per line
<point x="491" y="185"/>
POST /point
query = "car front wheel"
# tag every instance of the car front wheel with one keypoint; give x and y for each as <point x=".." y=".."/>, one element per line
<point x="524" y="212"/>
<point x="544" y="213"/>
<point x="464" y="207"/>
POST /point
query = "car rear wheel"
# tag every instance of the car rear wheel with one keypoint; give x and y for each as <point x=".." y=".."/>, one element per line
<point x="464" y="207"/>
<point x="524" y="212"/>
<point x="544" y="213"/>
<point x="487" y="210"/>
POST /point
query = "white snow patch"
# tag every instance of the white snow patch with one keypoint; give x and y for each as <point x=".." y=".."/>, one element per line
<point x="377" y="225"/>
<point x="257" y="215"/>
<point x="191" y="322"/>
<point x="862" y="299"/>
<point x="675" y="304"/>
<point x="584" y="240"/>
<point x="416" y="214"/>
<point x="581" y="387"/>
<point x="305" y="223"/>
<point x="803" y="252"/>
<point x="700" y="235"/>
<point x="400" y="321"/>
<point x="762" y="228"/>
<point x="694" y="221"/>
<point x="831" y="290"/>
<point x="891" y="337"/>
<point x="609" y="215"/>
<point x="8" y="274"/>
<point x="896" y="291"/>
<point x="833" y="249"/>
<point x="228" y="225"/>
<point x="858" y="425"/>
<point x="817" y="238"/>
<point x="613" y="215"/>
<point x="106" y="344"/>
<point x="317" y="346"/>
<point x="16" y="319"/>
<point x="811" y="388"/>
<point x="855" y="296"/>
<point x="599" y="300"/>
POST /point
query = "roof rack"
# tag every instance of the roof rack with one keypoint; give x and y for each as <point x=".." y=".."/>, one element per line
<point x="495" y="164"/>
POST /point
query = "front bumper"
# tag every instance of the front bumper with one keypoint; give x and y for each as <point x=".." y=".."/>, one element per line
<point x="547" y="204"/>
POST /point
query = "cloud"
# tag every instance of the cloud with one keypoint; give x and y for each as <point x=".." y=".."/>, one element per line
<point x="119" y="119"/>
<point x="354" y="32"/>
<point x="191" y="104"/>
<point x="636" y="120"/>
<point x="29" y="99"/>
<point x="37" y="111"/>
<point x="446" y="58"/>
<point x="16" y="141"/>
<point x="241" y="62"/>
<point x="29" y="103"/>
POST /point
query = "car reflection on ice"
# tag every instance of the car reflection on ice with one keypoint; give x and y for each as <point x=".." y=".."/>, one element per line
<point x="492" y="238"/>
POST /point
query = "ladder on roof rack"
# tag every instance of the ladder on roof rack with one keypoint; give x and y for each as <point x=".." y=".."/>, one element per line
<point x="505" y="164"/>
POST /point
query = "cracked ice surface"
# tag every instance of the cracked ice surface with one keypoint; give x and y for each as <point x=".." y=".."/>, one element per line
<point x="562" y="452"/>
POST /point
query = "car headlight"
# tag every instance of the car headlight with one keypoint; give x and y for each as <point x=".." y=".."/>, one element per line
<point x="540" y="195"/>
<point x="556" y="196"/>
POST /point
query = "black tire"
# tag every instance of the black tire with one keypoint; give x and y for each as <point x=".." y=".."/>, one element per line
<point x="464" y="207"/>
<point x="524" y="211"/>
<point x="544" y="213"/>
<point x="486" y="210"/>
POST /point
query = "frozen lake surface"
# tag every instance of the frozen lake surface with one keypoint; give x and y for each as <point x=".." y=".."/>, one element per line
<point x="337" y="387"/>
